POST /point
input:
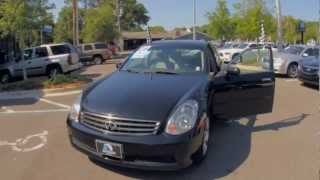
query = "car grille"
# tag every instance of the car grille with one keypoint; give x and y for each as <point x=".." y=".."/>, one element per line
<point x="121" y="126"/>
<point x="310" y="70"/>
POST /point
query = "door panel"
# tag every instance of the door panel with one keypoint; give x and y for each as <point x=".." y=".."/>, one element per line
<point x="38" y="64"/>
<point x="249" y="93"/>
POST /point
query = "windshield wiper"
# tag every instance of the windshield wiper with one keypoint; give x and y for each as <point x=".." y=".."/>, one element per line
<point x="161" y="72"/>
<point x="131" y="71"/>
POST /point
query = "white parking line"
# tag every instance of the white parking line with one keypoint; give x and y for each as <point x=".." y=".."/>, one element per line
<point x="54" y="103"/>
<point x="291" y="80"/>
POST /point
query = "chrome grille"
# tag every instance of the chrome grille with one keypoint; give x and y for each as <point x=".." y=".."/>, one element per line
<point x="310" y="70"/>
<point x="116" y="125"/>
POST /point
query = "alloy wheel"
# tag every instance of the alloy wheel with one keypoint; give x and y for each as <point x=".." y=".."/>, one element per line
<point x="293" y="71"/>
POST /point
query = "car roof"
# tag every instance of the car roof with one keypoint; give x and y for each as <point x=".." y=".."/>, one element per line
<point x="194" y="43"/>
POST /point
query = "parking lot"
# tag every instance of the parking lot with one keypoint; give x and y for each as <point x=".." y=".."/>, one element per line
<point x="282" y="145"/>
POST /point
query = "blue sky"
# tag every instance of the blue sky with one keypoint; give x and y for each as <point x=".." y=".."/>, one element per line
<point x="177" y="13"/>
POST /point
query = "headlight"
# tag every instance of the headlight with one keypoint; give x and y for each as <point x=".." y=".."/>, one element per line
<point x="183" y="119"/>
<point x="75" y="109"/>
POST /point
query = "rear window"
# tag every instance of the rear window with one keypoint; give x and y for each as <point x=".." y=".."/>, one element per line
<point x="60" y="49"/>
<point x="100" y="46"/>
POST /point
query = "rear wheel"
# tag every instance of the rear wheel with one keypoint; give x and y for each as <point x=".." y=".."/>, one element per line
<point x="5" y="78"/>
<point x="98" y="60"/>
<point x="203" y="150"/>
<point x="53" y="71"/>
<point x="293" y="70"/>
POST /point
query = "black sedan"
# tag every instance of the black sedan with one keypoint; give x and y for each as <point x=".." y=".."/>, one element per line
<point x="155" y="111"/>
<point x="308" y="71"/>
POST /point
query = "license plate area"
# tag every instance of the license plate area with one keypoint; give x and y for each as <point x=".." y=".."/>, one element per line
<point x="109" y="149"/>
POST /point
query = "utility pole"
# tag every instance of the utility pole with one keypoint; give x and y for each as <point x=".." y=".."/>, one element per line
<point x="279" y="25"/>
<point x="75" y="23"/>
<point x="194" y="19"/>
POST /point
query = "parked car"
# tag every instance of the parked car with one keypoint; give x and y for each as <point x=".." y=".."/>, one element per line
<point x="48" y="59"/>
<point x="286" y="63"/>
<point x="97" y="53"/>
<point x="309" y="71"/>
<point x="227" y="54"/>
<point x="155" y="111"/>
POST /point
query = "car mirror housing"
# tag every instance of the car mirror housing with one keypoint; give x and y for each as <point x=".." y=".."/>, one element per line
<point x="233" y="70"/>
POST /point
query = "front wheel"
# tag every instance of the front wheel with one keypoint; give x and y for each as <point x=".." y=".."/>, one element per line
<point x="5" y="78"/>
<point x="293" y="70"/>
<point x="203" y="150"/>
<point x="53" y="71"/>
<point x="97" y="60"/>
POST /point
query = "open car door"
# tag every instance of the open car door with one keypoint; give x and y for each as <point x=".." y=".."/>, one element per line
<point x="245" y="86"/>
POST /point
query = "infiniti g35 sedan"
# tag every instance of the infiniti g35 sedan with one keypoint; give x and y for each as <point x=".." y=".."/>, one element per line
<point x="154" y="112"/>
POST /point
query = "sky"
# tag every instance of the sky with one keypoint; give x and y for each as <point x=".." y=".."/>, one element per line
<point x="178" y="13"/>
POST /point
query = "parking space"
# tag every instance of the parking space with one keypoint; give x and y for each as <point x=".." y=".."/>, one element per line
<point x="282" y="145"/>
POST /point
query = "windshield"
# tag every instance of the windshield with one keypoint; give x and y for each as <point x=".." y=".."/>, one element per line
<point x="166" y="59"/>
<point x="242" y="46"/>
<point x="293" y="50"/>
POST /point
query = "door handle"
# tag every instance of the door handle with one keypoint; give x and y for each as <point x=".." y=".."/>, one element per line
<point x="266" y="80"/>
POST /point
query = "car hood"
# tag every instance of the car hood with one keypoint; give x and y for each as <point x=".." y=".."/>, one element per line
<point x="311" y="62"/>
<point x="142" y="96"/>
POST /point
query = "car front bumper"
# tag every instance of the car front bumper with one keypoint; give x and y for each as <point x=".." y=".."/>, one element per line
<point x="312" y="79"/>
<point x="153" y="152"/>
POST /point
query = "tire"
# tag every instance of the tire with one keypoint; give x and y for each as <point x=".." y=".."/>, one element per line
<point x="53" y="71"/>
<point x="97" y="60"/>
<point x="5" y="78"/>
<point x="203" y="150"/>
<point x="292" y="71"/>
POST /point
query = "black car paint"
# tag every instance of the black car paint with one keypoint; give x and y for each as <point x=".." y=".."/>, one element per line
<point x="309" y="71"/>
<point x="156" y="96"/>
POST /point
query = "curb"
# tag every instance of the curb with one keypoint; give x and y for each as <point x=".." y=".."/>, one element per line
<point x="39" y="93"/>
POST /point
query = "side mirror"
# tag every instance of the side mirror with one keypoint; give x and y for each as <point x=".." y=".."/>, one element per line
<point x="236" y="59"/>
<point x="233" y="71"/>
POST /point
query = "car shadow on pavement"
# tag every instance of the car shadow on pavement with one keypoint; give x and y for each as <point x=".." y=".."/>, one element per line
<point x="313" y="87"/>
<point x="230" y="147"/>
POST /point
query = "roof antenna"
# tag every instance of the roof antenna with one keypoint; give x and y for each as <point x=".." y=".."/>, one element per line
<point x="149" y="38"/>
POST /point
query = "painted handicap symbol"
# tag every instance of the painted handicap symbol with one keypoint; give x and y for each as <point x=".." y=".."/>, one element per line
<point x="20" y="145"/>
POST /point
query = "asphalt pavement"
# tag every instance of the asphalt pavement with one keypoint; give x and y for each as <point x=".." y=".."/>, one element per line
<point x="284" y="144"/>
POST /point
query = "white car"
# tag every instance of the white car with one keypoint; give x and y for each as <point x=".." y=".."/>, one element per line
<point x="48" y="60"/>
<point x="227" y="54"/>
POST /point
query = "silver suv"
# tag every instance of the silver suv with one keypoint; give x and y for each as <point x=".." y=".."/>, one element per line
<point x="48" y="59"/>
<point x="97" y="53"/>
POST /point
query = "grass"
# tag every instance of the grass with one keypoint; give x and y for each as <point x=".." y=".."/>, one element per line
<point x="59" y="81"/>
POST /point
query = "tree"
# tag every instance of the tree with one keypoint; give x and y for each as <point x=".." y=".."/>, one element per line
<point x="157" y="29"/>
<point x="249" y="15"/>
<point x="220" y="24"/>
<point x="290" y="29"/>
<point x="25" y="19"/>
<point x="63" y="28"/>
<point x="99" y="24"/>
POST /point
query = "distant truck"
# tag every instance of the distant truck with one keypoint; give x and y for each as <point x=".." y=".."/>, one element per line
<point x="96" y="53"/>
<point x="50" y="59"/>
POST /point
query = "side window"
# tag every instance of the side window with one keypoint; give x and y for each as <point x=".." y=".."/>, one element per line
<point x="60" y="49"/>
<point x="308" y="52"/>
<point x="27" y="54"/>
<point x="41" y="52"/>
<point x="253" y="61"/>
<point x="100" y="46"/>
<point x="253" y="46"/>
<point x="316" y="52"/>
<point x="87" y="47"/>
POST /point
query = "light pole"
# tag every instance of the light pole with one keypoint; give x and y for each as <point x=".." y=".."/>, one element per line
<point x="194" y="19"/>
<point x="75" y="23"/>
<point x="279" y="25"/>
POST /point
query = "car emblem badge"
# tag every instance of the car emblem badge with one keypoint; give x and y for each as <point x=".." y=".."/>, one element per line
<point x="110" y="125"/>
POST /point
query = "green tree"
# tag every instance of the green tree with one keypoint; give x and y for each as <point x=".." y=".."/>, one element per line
<point x="63" y="27"/>
<point x="249" y="15"/>
<point x="157" y="29"/>
<point x="99" y="24"/>
<point x="24" y="19"/>
<point x="290" y="34"/>
<point x="220" y="23"/>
